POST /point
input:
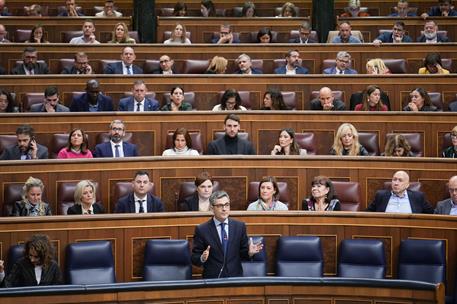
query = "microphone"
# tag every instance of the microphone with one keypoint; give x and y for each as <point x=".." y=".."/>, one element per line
<point x="222" y="268"/>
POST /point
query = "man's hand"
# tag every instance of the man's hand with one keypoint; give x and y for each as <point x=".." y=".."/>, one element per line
<point x="205" y="254"/>
<point x="49" y="108"/>
<point x="33" y="149"/>
<point x="377" y="42"/>
<point x="254" y="248"/>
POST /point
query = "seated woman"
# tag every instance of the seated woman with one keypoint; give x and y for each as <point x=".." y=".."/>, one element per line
<point x="346" y="142"/>
<point x="420" y="102"/>
<point x="36" y="267"/>
<point x="358" y="98"/>
<point x="182" y="144"/>
<point x="397" y="145"/>
<point x="264" y="36"/>
<point x="433" y="65"/>
<point x="77" y="146"/>
<point x="377" y="66"/>
<point x="121" y="34"/>
<point x="37" y="35"/>
<point x="286" y="144"/>
<point x="273" y="100"/>
<point x="180" y="9"/>
<point x="248" y="9"/>
<point x="207" y="8"/>
<point x="451" y="151"/>
<point x="288" y="10"/>
<point x="85" y="194"/>
<point x="6" y="102"/>
<point x="31" y="204"/>
<point x="230" y="101"/>
<point x="177" y="101"/>
<point x="199" y="201"/>
<point x="371" y="100"/>
<point x="323" y="196"/>
<point x="268" y="197"/>
<point x="218" y="65"/>
<point x="178" y="36"/>
<point x="353" y="10"/>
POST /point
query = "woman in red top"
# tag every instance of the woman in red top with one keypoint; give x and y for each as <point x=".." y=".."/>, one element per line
<point x="371" y="100"/>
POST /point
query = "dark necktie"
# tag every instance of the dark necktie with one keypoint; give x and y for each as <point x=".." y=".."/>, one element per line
<point x="116" y="151"/>
<point x="129" y="72"/>
<point x="224" y="238"/>
<point x="138" y="107"/>
<point x="141" y="210"/>
<point x="89" y="211"/>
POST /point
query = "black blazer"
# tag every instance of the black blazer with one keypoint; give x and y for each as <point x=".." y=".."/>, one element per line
<point x="40" y="68"/>
<point x="23" y="274"/>
<point x="416" y="199"/>
<point x="116" y="68"/>
<point x="189" y="203"/>
<point x="77" y="209"/>
<point x="219" y="147"/>
<point x="216" y="266"/>
<point x="126" y="204"/>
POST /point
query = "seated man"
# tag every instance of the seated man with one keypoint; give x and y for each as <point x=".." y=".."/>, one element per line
<point x="30" y="64"/>
<point x="354" y="10"/>
<point x="166" y="66"/>
<point x="431" y="34"/>
<point x="70" y="10"/>
<point x="245" y="66"/>
<point x="93" y="100"/>
<point x="231" y="143"/>
<point x="345" y="35"/>
<point x="444" y="8"/>
<point x="449" y="205"/>
<point x="225" y="35"/>
<point x="108" y="10"/>
<point x="126" y="66"/>
<point x="3" y="9"/>
<point x="81" y="65"/>
<point x="304" y="32"/>
<point x="3" y="34"/>
<point x="51" y="102"/>
<point x="26" y="147"/>
<point x="116" y="147"/>
<point x="140" y="200"/>
<point x="138" y="102"/>
<point x="326" y="101"/>
<point x="402" y="9"/>
<point x="399" y="199"/>
<point x="343" y="63"/>
<point x="292" y="66"/>
<point x="33" y="10"/>
<point x="88" y="36"/>
<point x="398" y="35"/>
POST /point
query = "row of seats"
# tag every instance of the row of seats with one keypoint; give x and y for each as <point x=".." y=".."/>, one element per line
<point x="297" y="256"/>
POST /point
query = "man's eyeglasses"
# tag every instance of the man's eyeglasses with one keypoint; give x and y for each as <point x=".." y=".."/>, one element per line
<point x="220" y="206"/>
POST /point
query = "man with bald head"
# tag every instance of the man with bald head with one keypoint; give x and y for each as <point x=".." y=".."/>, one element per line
<point x="327" y="102"/>
<point x="400" y="199"/>
<point x="126" y="66"/>
<point x="449" y="206"/>
<point x="93" y="100"/>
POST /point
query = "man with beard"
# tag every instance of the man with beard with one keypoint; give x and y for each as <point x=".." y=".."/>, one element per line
<point x="81" y="65"/>
<point x="26" y="147"/>
<point x="88" y="36"/>
<point x="30" y="65"/>
<point x="431" y="34"/>
<point x="116" y="147"/>
<point x="292" y="66"/>
<point x="51" y="102"/>
<point x="398" y="35"/>
<point x="93" y="100"/>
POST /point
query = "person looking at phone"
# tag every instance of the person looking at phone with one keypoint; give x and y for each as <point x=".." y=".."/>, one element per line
<point x="50" y="103"/>
<point x="80" y="66"/>
<point x="26" y="147"/>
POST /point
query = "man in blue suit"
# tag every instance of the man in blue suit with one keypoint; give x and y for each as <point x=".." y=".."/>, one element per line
<point x="221" y="243"/>
<point x="126" y="66"/>
<point x="116" y="147"/>
<point x="292" y="66"/>
<point x="140" y="200"/>
<point x="400" y="200"/>
<point x="138" y="102"/>
<point x="245" y="66"/>
<point x="93" y="100"/>
<point x="431" y="34"/>
<point x="343" y="63"/>
<point x="398" y="35"/>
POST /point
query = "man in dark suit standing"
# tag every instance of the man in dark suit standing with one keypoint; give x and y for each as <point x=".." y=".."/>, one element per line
<point x="30" y="64"/>
<point x="293" y="64"/>
<point x="26" y="147"/>
<point x="139" y="102"/>
<point x="326" y="101"/>
<point x="304" y="34"/>
<point x="140" y="200"/>
<point x="221" y="243"/>
<point x="93" y="100"/>
<point x="116" y="146"/>
<point x="51" y="102"/>
<point x="399" y="199"/>
<point x="449" y="206"/>
<point x="126" y="66"/>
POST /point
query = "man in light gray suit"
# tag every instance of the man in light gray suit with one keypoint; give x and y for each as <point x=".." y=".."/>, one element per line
<point x="51" y="102"/>
<point x="449" y="206"/>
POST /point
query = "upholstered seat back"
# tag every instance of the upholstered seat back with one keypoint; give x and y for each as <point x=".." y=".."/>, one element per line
<point x="257" y="265"/>
<point x="362" y="259"/>
<point x="370" y="141"/>
<point x="186" y="189"/>
<point x="15" y="252"/>
<point x="307" y="140"/>
<point x="349" y="195"/>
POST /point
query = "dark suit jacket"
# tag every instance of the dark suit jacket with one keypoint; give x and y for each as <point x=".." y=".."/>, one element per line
<point x="160" y="71"/>
<point x="190" y="203"/>
<point x="444" y="207"/>
<point x="218" y="147"/>
<point x="39" y="107"/>
<point x="297" y="40"/>
<point x="126" y="204"/>
<point x="332" y="70"/>
<point x="436" y="11"/>
<point x="338" y="105"/>
<point x="453" y="106"/>
<point x="129" y="104"/>
<point x="116" y="68"/>
<point x="416" y="199"/>
<point x="254" y="71"/>
<point x="439" y="38"/>
<point x="23" y="274"/>
<point x="386" y="37"/>
<point x="13" y="153"/>
<point x="216" y="265"/>
<point x="104" y="149"/>
<point x="81" y="103"/>
<point x="77" y="209"/>
<point x="70" y="70"/>
<point x="40" y="68"/>
<point x="298" y="70"/>
<point x="356" y="98"/>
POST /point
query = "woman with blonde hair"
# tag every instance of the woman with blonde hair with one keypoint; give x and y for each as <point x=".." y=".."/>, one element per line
<point x="31" y="203"/>
<point x="377" y="66"/>
<point x="346" y="142"/>
<point x="121" y="34"/>
<point x="218" y="65"/>
<point x="85" y="195"/>
<point x="397" y="145"/>
<point x="178" y="35"/>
